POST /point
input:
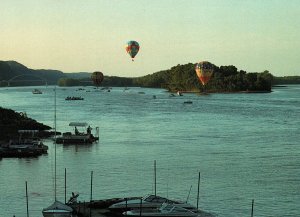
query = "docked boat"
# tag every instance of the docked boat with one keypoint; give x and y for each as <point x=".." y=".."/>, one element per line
<point x="24" y="147"/>
<point x="166" y="210"/>
<point x="149" y="201"/>
<point x="82" y="136"/>
<point x="57" y="209"/>
<point x="37" y="91"/>
<point x="19" y="152"/>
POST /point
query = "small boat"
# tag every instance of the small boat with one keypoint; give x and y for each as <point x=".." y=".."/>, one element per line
<point x="179" y="93"/>
<point x="166" y="210"/>
<point x="79" y="137"/>
<point x="37" y="91"/>
<point x="149" y="201"/>
<point x="74" y="98"/>
<point x="188" y="102"/>
<point x="80" y="89"/>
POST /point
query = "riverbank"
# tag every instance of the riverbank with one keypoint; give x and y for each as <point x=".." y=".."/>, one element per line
<point x="11" y="122"/>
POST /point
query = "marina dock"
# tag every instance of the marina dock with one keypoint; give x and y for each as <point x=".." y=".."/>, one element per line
<point x="99" y="208"/>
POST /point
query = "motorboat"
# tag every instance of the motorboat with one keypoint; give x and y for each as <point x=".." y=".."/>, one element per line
<point x="165" y="210"/>
<point x="82" y="136"/>
<point x="149" y="201"/>
<point x="58" y="209"/>
<point x="74" y="98"/>
<point x="36" y="91"/>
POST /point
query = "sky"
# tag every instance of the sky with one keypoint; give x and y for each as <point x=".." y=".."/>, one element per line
<point x="90" y="35"/>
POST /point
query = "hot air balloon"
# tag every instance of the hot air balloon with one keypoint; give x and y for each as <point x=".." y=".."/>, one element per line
<point x="204" y="71"/>
<point x="132" y="48"/>
<point x="97" y="78"/>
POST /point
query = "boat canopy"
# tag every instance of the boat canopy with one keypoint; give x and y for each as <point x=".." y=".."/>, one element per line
<point x="78" y="124"/>
<point x="57" y="205"/>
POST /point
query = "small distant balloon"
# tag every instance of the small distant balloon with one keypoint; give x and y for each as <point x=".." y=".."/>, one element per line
<point x="97" y="78"/>
<point x="204" y="71"/>
<point x="132" y="48"/>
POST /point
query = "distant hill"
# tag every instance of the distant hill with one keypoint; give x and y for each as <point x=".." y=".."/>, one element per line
<point x="78" y="75"/>
<point x="19" y="75"/>
<point x="286" y="80"/>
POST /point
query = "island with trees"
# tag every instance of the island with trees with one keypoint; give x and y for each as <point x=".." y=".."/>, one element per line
<point x="177" y="78"/>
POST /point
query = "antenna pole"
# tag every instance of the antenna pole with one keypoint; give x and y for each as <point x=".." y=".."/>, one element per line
<point x="198" y="190"/>
<point x="91" y="186"/>
<point x="252" y="207"/>
<point x="65" y="185"/>
<point x="27" y="200"/>
<point x="55" y="143"/>
<point x="155" y="178"/>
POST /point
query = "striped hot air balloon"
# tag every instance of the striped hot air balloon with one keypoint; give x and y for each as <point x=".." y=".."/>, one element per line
<point x="132" y="48"/>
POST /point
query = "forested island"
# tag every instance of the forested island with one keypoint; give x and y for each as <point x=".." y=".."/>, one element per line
<point x="183" y="78"/>
<point x="177" y="78"/>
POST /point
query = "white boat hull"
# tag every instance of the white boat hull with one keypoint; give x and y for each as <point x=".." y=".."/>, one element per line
<point x="57" y="213"/>
<point x="58" y="209"/>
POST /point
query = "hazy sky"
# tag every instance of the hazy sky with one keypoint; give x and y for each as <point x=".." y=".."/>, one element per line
<point x="90" y="35"/>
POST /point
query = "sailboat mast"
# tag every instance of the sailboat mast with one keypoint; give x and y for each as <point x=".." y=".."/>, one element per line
<point x="55" y="143"/>
<point x="155" y="178"/>
<point x="198" y="191"/>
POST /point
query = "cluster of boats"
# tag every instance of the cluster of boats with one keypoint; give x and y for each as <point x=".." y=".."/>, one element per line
<point x="154" y="205"/>
<point x="32" y="146"/>
<point x="148" y="206"/>
<point x="23" y="147"/>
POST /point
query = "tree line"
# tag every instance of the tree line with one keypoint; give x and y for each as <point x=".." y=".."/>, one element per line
<point x="224" y="79"/>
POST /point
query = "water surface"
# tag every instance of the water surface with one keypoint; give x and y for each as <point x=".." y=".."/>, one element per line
<point x="246" y="147"/>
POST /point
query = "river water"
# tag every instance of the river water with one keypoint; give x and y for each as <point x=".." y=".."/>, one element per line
<point x="246" y="146"/>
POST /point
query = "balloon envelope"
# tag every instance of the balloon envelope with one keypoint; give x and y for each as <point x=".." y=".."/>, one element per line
<point x="132" y="48"/>
<point x="204" y="71"/>
<point x="97" y="78"/>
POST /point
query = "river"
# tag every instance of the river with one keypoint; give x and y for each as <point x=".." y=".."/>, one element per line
<point x="246" y="146"/>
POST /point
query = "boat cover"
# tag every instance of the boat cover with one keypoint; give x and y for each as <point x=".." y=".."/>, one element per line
<point x="57" y="205"/>
<point x="78" y="124"/>
<point x="28" y="131"/>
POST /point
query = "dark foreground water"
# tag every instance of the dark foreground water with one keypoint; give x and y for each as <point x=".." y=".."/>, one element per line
<point x="246" y="147"/>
